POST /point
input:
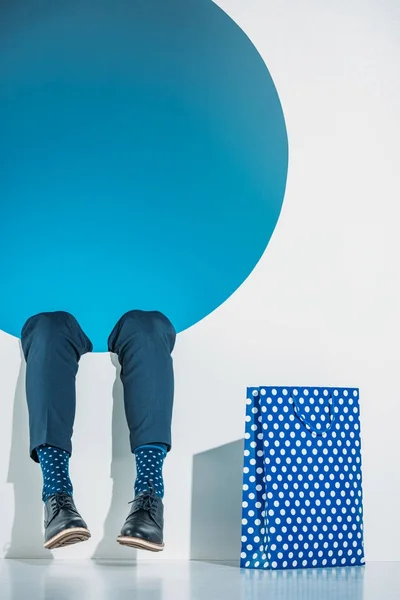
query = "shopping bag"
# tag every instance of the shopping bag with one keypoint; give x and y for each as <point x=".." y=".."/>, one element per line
<point x="302" y="480"/>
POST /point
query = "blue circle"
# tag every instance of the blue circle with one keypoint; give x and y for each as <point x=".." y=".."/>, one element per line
<point x="144" y="160"/>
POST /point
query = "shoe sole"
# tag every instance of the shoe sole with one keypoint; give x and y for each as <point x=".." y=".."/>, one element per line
<point x="140" y="544"/>
<point x="68" y="537"/>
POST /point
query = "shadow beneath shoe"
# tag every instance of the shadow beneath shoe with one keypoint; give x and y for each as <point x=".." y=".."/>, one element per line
<point x="27" y="530"/>
<point x="217" y="505"/>
<point x="123" y="477"/>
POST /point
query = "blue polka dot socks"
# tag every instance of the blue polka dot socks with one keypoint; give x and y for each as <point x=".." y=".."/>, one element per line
<point x="149" y="464"/>
<point x="55" y="468"/>
<point x="55" y="464"/>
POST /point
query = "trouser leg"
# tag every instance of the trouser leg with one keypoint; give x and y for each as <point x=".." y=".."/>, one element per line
<point x="52" y="343"/>
<point x="143" y="342"/>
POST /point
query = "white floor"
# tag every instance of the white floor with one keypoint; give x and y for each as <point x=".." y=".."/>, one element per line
<point x="173" y="580"/>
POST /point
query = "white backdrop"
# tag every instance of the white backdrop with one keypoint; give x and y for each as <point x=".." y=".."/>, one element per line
<point x="321" y="308"/>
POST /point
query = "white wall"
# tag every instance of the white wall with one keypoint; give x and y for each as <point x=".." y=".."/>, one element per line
<point x="321" y="308"/>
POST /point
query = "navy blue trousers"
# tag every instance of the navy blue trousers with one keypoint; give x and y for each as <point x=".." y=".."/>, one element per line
<point x="53" y="344"/>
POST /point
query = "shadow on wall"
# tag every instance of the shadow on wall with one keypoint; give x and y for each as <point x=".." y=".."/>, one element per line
<point x="122" y="475"/>
<point x="27" y="534"/>
<point x="217" y="504"/>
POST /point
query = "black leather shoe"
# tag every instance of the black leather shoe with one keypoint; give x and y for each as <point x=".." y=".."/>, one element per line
<point x="62" y="522"/>
<point x="144" y="526"/>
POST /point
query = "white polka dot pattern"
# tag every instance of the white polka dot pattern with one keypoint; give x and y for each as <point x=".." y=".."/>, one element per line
<point x="55" y="469"/>
<point x="149" y="465"/>
<point x="302" y="484"/>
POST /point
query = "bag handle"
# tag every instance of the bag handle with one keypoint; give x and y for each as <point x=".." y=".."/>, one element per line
<point x="308" y="424"/>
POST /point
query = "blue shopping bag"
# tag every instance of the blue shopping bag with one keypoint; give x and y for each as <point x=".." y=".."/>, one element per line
<point x="302" y="481"/>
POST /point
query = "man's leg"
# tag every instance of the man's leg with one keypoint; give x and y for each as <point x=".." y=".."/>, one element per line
<point x="144" y="342"/>
<point x="53" y="343"/>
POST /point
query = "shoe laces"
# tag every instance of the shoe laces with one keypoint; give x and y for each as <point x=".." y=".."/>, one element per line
<point x="147" y="501"/>
<point x="60" y="501"/>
